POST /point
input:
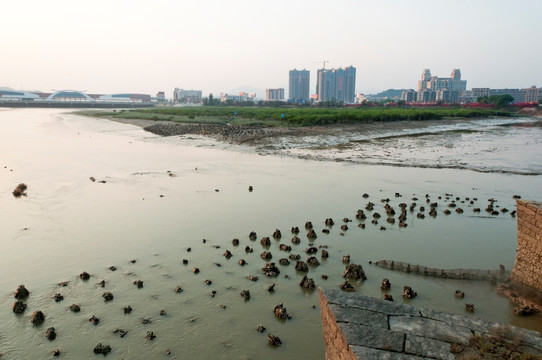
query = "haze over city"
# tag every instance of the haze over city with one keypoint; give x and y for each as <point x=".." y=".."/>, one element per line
<point x="217" y="46"/>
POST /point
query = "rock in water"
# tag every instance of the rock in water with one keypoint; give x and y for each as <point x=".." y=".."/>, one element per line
<point x="354" y="272"/>
<point x="346" y="286"/>
<point x="37" y="317"/>
<point x="307" y="283"/>
<point x="107" y="296"/>
<point x="84" y="275"/>
<point x="274" y="340"/>
<point x="20" y="190"/>
<point x="245" y="294"/>
<point x="301" y="266"/>
<point x="21" y="292"/>
<point x="270" y="269"/>
<point x="281" y="313"/>
<point x="19" y="307"/>
<point x="50" y="333"/>
<point x="101" y="349"/>
<point x="408" y="292"/>
<point x="385" y="284"/>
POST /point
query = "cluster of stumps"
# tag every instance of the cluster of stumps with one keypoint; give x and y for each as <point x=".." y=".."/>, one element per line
<point x="38" y="317"/>
<point x="352" y="272"/>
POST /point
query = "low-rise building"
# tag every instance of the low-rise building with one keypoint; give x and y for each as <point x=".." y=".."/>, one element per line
<point x="515" y="93"/>
<point x="187" y="96"/>
<point x="360" y="98"/>
<point x="447" y="96"/>
<point x="530" y="94"/>
<point x="274" y="94"/>
<point x="409" y="95"/>
<point x="243" y="96"/>
<point x="426" y="96"/>
<point x="161" y="97"/>
<point x="479" y="92"/>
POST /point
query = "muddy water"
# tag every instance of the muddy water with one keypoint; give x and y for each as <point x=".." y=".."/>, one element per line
<point x="160" y="198"/>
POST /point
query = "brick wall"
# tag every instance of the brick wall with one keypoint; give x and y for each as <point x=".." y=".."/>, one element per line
<point x="336" y="345"/>
<point x="528" y="264"/>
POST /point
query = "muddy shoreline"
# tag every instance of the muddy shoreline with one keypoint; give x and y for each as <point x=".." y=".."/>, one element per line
<point x="464" y="144"/>
<point x="261" y="135"/>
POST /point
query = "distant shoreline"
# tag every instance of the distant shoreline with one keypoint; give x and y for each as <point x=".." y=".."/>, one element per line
<point x="73" y="104"/>
<point x="249" y="125"/>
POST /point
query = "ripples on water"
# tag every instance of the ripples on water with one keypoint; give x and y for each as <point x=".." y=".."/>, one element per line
<point x="154" y="205"/>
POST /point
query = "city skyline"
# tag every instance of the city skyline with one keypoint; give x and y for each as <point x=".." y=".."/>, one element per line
<point x="114" y="47"/>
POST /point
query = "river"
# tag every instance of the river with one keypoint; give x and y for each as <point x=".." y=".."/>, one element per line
<point x="156" y="198"/>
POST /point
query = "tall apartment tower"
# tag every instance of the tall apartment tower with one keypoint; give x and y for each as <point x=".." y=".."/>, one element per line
<point x="336" y="84"/>
<point x="299" y="85"/>
<point x="425" y="79"/>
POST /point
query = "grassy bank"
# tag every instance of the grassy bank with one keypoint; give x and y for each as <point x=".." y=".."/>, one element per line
<point x="293" y="116"/>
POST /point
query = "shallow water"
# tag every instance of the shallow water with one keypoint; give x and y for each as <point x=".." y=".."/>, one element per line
<point x="68" y="224"/>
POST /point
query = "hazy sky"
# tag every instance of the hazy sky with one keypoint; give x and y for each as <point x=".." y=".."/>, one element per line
<point x="109" y="46"/>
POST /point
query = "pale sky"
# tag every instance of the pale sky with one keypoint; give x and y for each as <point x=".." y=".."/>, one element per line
<point x="112" y="46"/>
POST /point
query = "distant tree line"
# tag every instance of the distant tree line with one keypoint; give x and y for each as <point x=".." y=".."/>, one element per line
<point x="496" y="100"/>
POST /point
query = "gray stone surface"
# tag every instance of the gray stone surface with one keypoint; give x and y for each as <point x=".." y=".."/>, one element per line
<point x="363" y="353"/>
<point x="425" y="347"/>
<point x="378" y="329"/>
<point x="368" y="303"/>
<point x="359" y="316"/>
<point x="429" y="328"/>
<point x="368" y="336"/>
<point x="468" y="321"/>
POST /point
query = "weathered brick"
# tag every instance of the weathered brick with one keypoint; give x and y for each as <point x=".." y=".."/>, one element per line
<point x="528" y="213"/>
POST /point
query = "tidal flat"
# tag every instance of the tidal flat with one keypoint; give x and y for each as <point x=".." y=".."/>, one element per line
<point x="157" y="201"/>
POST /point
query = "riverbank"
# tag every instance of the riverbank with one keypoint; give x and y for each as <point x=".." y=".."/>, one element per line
<point x="484" y="145"/>
<point x="298" y="117"/>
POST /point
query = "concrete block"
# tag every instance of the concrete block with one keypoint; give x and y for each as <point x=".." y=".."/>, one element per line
<point x="368" y="303"/>
<point x="368" y="336"/>
<point x="468" y="322"/>
<point x="359" y="316"/>
<point x="429" y="328"/>
<point x="430" y="348"/>
<point x="365" y="353"/>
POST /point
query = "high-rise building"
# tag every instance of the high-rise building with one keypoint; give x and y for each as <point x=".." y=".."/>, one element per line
<point x="299" y="85"/>
<point x="336" y="84"/>
<point x="274" y="94"/>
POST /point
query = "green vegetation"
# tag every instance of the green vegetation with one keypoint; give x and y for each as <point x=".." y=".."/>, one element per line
<point x="293" y="116"/>
<point x="496" y="100"/>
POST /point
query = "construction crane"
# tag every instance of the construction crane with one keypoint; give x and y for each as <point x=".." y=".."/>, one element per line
<point x="325" y="62"/>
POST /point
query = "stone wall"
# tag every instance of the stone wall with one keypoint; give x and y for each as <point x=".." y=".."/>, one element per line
<point x="362" y="327"/>
<point x="528" y="264"/>
<point x="335" y="343"/>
